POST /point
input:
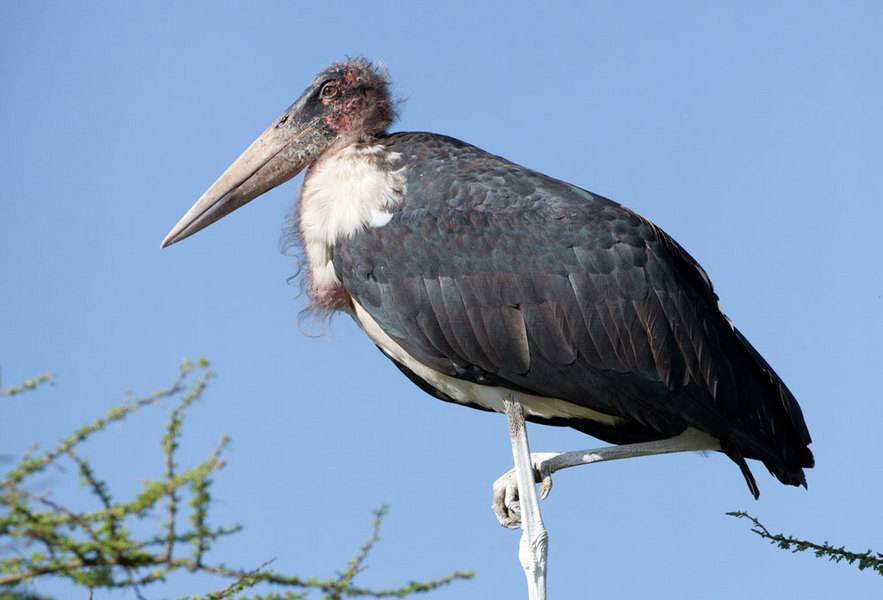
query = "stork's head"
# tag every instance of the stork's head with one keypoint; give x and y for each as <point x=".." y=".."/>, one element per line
<point x="346" y="103"/>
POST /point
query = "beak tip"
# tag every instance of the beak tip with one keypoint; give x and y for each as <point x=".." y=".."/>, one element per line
<point x="173" y="237"/>
<point x="263" y="166"/>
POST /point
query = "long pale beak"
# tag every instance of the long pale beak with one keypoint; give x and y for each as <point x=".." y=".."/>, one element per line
<point x="280" y="153"/>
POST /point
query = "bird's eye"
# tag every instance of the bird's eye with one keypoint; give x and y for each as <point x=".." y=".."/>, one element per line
<point x="329" y="91"/>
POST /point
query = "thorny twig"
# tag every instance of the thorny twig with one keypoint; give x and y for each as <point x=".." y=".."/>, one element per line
<point x="98" y="550"/>
<point x="866" y="560"/>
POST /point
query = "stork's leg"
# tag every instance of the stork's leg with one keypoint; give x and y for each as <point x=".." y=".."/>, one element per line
<point x="507" y="488"/>
<point x="534" y="545"/>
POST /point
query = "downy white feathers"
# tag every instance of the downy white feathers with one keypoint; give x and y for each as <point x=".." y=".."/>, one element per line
<point x="344" y="192"/>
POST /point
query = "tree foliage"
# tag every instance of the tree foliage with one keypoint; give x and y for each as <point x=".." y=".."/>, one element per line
<point x="865" y="560"/>
<point x="42" y="536"/>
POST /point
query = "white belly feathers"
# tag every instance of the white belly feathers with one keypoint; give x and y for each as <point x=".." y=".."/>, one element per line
<point x="467" y="392"/>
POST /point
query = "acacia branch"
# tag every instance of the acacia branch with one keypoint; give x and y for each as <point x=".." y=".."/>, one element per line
<point x="97" y="549"/>
<point x="29" y="385"/>
<point x="866" y="560"/>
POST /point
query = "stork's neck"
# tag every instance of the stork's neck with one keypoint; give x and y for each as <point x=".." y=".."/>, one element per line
<point x="344" y="192"/>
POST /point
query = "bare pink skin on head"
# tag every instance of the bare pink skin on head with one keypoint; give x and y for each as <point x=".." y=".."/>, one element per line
<point x="367" y="112"/>
<point x="344" y="116"/>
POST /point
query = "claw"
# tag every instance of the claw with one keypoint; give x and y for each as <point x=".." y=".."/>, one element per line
<point x="511" y="500"/>
<point x="545" y="480"/>
<point x="505" y="503"/>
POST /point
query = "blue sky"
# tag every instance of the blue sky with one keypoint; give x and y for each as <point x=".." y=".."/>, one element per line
<point x="750" y="131"/>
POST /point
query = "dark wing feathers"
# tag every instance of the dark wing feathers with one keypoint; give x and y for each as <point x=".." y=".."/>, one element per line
<point x="498" y="274"/>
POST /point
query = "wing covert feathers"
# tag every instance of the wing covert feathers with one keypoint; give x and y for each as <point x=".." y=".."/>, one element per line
<point x="495" y="274"/>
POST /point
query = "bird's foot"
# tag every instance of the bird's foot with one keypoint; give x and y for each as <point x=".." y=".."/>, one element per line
<point x="506" y="499"/>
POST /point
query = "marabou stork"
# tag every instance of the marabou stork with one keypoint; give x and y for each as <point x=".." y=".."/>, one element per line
<point x="503" y="289"/>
